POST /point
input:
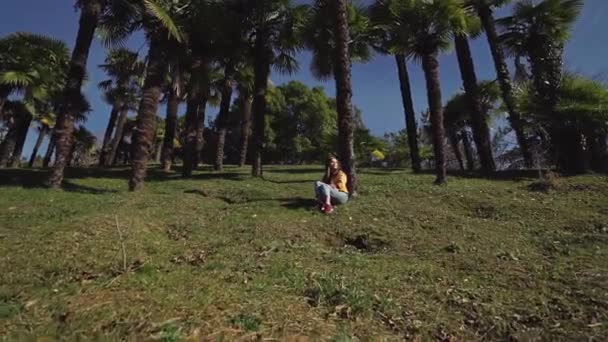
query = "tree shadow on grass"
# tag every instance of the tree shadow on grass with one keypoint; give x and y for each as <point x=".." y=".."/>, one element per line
<point x="297" y="203"/>
<point x="299" y="181"/>
<point x="294" y="203"/>
<point x="289" y="203"/>
<point x="37" y="179"/>
<point x="503" y="175"/>
<point x="294" y="170"/>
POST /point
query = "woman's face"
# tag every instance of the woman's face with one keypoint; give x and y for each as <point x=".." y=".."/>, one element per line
<point x="333" y="164"/>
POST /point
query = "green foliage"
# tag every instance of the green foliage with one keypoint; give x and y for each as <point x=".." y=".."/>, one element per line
<point x="415" y="28"/>
<point x="319" y="36"/>
<point x="398" y="151"/>
<point x="34" y="66"/>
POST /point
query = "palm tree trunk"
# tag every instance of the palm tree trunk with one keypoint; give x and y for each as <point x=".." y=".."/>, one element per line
<point x="107" y="138"/>
<point x="8" y="144"/>
<point x="4" y="93"/>
<point x="159" y="151"/>
<point x="194" y="122"/>
<point x="118" y="135"/>
<point x="342" y="74"/>
<point x="24" y="127"/>
<point x="453" y="139"/>
<point x="49" y="152"/>
<point x="410" y="114"/>
<point x="145" y="125"/>
<point x="64" y="128"/>
<point x="261" y="73"/>
<point x="468" y="150"/>
<point x="545" y="59"/>
<point x="200" y="130"/>
<point x="481" y="131"/>
<point x="170" y="129"/>
<point x="222" y="117"/>
<point x="41" y="136"/>
<point x="502" y="72"/>
<point x="433" y="88"/>
<point x="245" y="129"/>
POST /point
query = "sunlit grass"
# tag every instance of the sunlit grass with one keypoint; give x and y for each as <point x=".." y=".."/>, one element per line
<point x="224" y="255"/>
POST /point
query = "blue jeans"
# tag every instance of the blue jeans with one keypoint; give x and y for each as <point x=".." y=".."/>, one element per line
<point x="324" y="191"/>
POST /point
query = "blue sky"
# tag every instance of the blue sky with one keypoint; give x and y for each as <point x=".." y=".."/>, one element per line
<point x="375" y="84"/>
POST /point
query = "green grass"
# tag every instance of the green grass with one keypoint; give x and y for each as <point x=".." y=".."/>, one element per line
<point x="224" y="256"/>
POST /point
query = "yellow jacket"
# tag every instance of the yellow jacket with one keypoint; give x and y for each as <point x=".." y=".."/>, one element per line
<point x="340" y="180"/>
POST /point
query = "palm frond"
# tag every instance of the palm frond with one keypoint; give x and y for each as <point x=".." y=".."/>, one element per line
<point x="16" y="79"/>
<point x="164" y="18"/>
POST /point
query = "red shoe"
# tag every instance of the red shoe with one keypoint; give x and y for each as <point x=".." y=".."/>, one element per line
<point x="328" y="209"/>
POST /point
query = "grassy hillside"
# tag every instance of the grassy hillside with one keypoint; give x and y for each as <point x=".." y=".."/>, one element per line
<point x="223" y="256"/>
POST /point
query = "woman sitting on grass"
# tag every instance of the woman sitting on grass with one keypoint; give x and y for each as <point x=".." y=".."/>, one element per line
<point x="332" y="190"/>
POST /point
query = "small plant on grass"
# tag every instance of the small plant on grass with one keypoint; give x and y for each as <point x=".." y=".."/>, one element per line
<point x="247" y="322"/>
<point x="549" y="181"/>
<point x="331" y="290"/>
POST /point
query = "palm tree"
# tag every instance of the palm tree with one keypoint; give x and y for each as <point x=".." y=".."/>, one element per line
<point x="484" y="9"/>
<point x="90" y="14"/>
<point x="540" y="31"/>
<point x="32" y="64"/>
<point x="231" y="47"/>
<point x="43" y="130"/>
<point x="222" y="117"/>
<point x="426" y="27"/>
<point x="84" y="144"/>
<point x="481" y="131"/>
<point x="128" y="102"/>
<point x="125" y="72"/>
<point x="338" y="33"/>
<point x="386" y="44"/>
<point x="200" y="33"/>
<point x="244" y="79"/>
<point x="273" y="24"/>
<point x="458" y="113"/>
<point x="12" y="145"/>
<point x="158" y="19"/>
<point x="174" y="97"/>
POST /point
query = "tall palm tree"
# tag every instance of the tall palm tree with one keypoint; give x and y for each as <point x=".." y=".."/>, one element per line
<point x="386" y="44"/>
<point x="232" y="46"/>
<point x="342" y="75"/>
<point x="174" y="96"/>
<point x="273" y="25"/>
<point x="129" y="100"/>
<point x="244" y="79"/>
<point x="481" y="131"/>
<point x="338" y="33"/>
<point x="484" y="9"/>
<point x="90" y="13"/>
<point x="158" y="19"/>
<point x="426" y="27"/>
<point x="125" y="72"/>
<point x="540" y="31"/>
<point x="204" y="39"/>
<point x="222" y="117"/>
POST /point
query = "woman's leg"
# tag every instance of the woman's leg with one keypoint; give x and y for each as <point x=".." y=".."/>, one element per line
<point x="338" y="197"/>
<point x="322" y="191"/>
